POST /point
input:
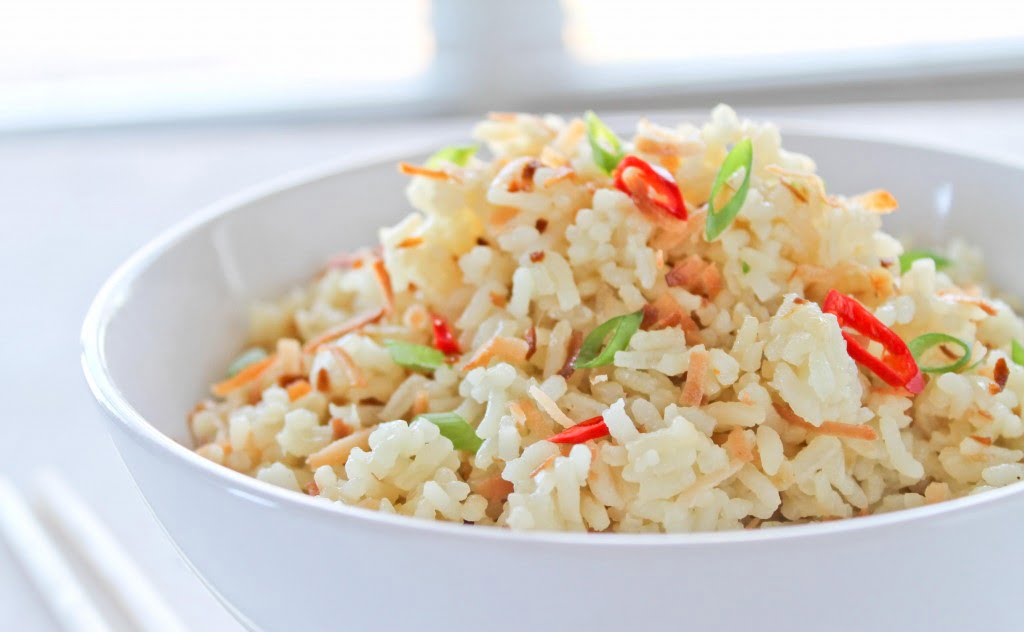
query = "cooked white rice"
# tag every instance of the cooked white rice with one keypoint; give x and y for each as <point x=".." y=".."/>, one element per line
<point x="536" y="241"/>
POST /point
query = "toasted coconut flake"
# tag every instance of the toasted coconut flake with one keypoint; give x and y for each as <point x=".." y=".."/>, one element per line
<point x="385" y="285"/>
<point x="553" y="159"/>
<point x="244" y="378"/>
<point x="424" y="172"/>
<point x="563" y="173"/>
<point x="936" y="492"/>
<point x="892" y="391"/>
<point x="498" y="299"/>
<point x="665" y="312"/>
<point x="410" y="242"/>
<point x="517" y="412"/>
<point x="797" y="189"/>
<point x="546" y="404"/>
<point x="421" y="402"/>
<point x="353" y="370"/>
<point x="531" y="338"/>
<point x="1001" y="373"/>
<point x="524" y="181"/>
<point x="503" y="116"/>
<point x="573" y="349"/>
<point x="707" y="482"/>
<point x="338" y="451"/>
<point x="737" y="446"/>
<point x="670" y="162"/>
<point x="545" y="464"/>
<point x="290" y="356"/>
<point x="323" y="383"/>
<point x="571" y="135"/>
<point x="340" y="428"/>
<point x="805" y="182"/>
<point x="876" y="201"/>
<point x="350" y="325"/>
<point x="510" y="349"/>
<point x="350" y="260"/>
<point x="492" y="488"/>
<point x="829" y="427"/>
<point x="416" y="317"/>
<point x="963" y="298"/>
<point x="694" y="384"/>
<point x="501" y="215"/>
<point x="298" y="389"/>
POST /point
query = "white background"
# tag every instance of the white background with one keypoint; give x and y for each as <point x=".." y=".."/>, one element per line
<point x="74" y="205"/>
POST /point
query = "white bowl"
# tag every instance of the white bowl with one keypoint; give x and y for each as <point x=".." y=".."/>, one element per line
<point x="166" y="322"/>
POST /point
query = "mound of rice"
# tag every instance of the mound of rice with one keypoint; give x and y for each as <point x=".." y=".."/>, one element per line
<point x="736" y="405"/>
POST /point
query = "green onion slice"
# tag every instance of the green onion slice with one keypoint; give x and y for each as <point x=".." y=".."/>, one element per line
<point x="246" y="358"/>
<point x="457" y="155"/>
<point x="606" y="149"/>
<point x="456" y="430"/>
<point x="593" y="354"/>
<point x="417" y="357"/>
<point x="716" y="221"/>
<point x="1017" y="352"/>
<point x="906" y="259"/>
<point x="919" y="346"/>
<point x="745" y="268"/>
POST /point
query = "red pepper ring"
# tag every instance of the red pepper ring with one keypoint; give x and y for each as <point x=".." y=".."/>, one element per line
<point x="444" y="340"/>
<point x="582" y="432"/>
<point x="898" y="367"/>
<point x="651" y="188"/>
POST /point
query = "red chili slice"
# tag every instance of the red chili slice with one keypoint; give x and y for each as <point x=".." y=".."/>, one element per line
<point x="649" y="187"/>
<point x="582" y="432"/>
<point x="444" y="340"/>
<point x="897" y="367"/>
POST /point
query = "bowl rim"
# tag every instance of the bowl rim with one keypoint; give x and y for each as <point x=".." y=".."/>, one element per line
<point x="112" y="293"/>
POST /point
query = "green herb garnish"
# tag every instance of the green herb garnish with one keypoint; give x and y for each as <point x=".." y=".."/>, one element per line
<point x="593" y="354"/>
<point x="1017" y="352"/>
<point x="716" y="221"/>
<point x="745" y="268"/>
<point x="417" y="357"/>
<point x="246" y="358"/>
<point x="919" y="346"/>
<point x="456" y="430"/>
<point x="606" y="148"/>
<point x="457" y="155"/>
<point x="906" y="259"/>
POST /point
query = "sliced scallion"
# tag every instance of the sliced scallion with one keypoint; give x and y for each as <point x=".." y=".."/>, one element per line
<point x="457" y="155"/>
<point x="745" y="268"/>
<point x="246" y="358"/>
<point x="606" y="148"/>
<point x="593" y="354"/>
<point x="456" y="430"/>
<point x="717" y="220"/>
<point x="417" y="357"/>
<point x="919" y="346"/>
<point x="1017" y="352"/>
<point x="906" y="259"/>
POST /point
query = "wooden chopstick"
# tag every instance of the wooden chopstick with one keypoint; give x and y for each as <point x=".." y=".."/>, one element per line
<point x="94" y="543"/>
<point x="35" y="550"/>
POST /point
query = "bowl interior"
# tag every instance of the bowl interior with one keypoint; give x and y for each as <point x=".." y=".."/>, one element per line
<point x="171" y="319"/>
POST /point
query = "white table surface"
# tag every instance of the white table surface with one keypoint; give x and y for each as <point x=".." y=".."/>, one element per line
<point x="74" y="205"/>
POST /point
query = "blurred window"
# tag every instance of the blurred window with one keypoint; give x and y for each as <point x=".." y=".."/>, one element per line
<point x="610" y="31"/>
<point x="84" y="62"/>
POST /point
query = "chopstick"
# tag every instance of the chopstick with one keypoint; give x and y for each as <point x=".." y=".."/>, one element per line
<point x="97" y="547"/>
<point x="35" y="550"/>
